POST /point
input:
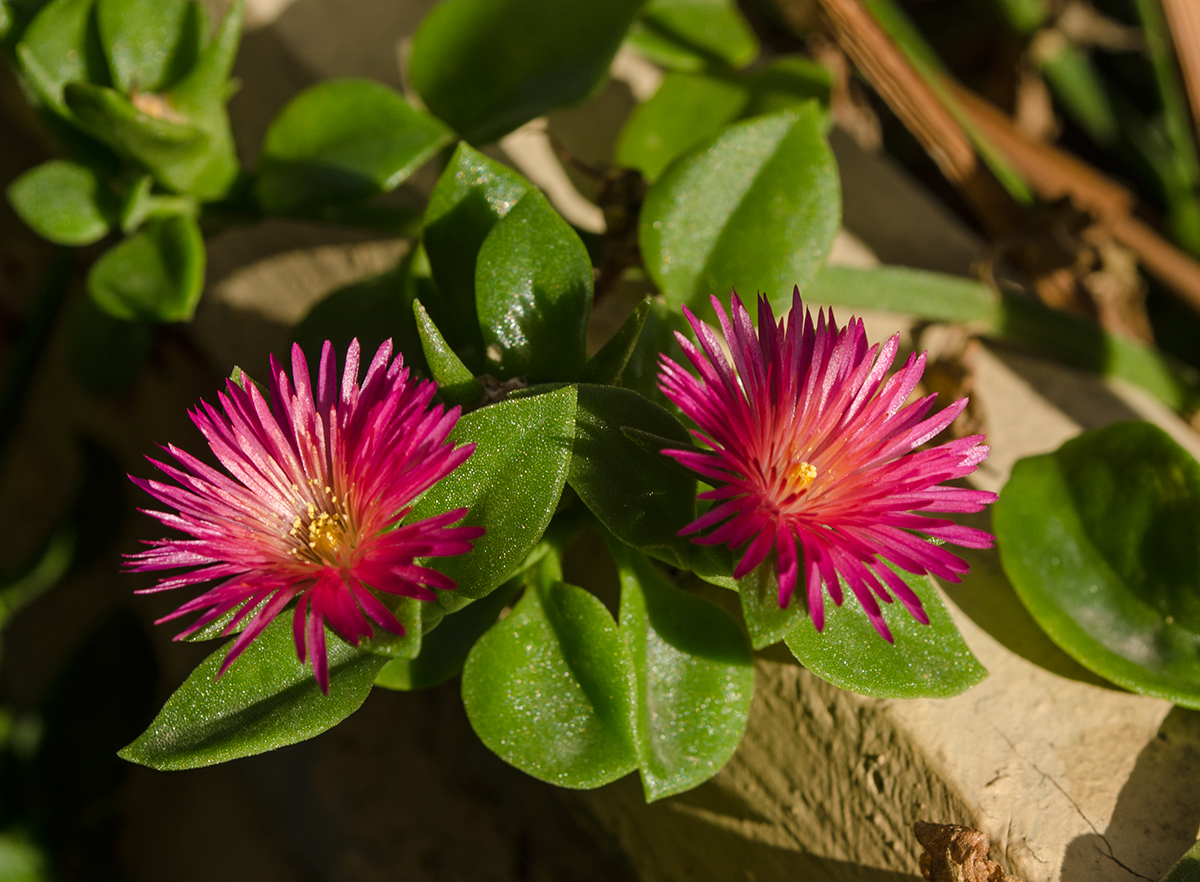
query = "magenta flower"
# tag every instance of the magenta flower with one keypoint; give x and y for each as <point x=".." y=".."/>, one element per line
<point x="812" y="454"/>
<point x="317" y="483"/>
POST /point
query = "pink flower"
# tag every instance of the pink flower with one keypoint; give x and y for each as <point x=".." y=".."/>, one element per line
<point x="317" y="485"/>
<point x="812" y="453"/>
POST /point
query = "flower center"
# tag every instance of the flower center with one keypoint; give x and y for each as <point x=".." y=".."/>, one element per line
<point x="800" y="475"/>
<point x="322" y="535"/>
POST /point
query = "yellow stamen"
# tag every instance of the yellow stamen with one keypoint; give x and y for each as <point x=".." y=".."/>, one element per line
<point x="800" y="475"/>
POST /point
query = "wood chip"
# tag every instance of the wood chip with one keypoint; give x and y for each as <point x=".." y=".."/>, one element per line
<point x="957" y="854"/>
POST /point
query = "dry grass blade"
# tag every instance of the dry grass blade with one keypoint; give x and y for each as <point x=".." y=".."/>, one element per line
<point x="1054" y="173"/>
<point x="1183" y="20"/>
<point x="917" y="105"/>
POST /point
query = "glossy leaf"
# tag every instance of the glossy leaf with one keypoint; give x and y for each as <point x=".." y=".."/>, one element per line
<point x="342" y="140"/>
<point x="60" y="46"/>
<point x="180" y="155"/>
<point x="472" y="195"/>
<point x="547" y="689"/>
<point x="200" y="97"/>
<point x="641" y="497"/>
<point x="511" y="485"/>
<point x="1187" y="868"/>
<point x="687" y="110"/>
<point x="149" y="43"/>
<point x="445" y="650"/>
<point x="457" y="385"/>
<point x="693" y="34"/>
<point x="694" y="678"/>
<point x="266" y="699"/>
<point x="487" y="66"/>
<point x="657" y="337"/>
<point x="1101" y="540"/>
<point x="156" y="275"/>
<point x="930" y="661"/>
<point x="65" y="202"/>
<point x="533" y="291"/>
<point x="399" y="647"/>
<point x="755" y="209"/>
<point x="607" y="365"/>
<point x="141" y="203"/>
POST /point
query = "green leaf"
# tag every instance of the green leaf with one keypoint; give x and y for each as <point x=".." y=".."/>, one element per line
<point x="200" y="97"/>
<point x="399" y="647"/>
<point x="342" y="140"/>
<point x="657" y="338"/>
<point x="181" y="155"/>
<point x="156" y="275"/>
<point x="755" y="209"/>
<point x="65" y="202"/>
<point x="1101" y="540"/>
<point x="149" y="43"/>
<point x="487" y="66"/>
<point x="926" y="661"/>
<point x="547" y="689"/>
<point x="690" y="35"/>
<point x="457" y="385"/>
<point x="639" y="496"/>
<point x="787" y="82"/>
<point x="533" y="291"/>
<point x="471" y="196"/>
<point x="1187" y="868"/>
<point x="511" y="484"/>
<point x="687" y="110"/>
<point x="141" y="203"/>
<point x="607" y="365"/>
<point x="60" y="46"/>
<point x="694" y="678"/>
<point x="445" y="650"/>
<point x="266" y="699"/>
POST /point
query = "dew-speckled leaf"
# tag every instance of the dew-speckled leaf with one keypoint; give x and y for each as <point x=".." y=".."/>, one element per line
<point x="1101" y="540"/>
<point x="533" y="292"/>
<point x="693" y="34"/>
<point x="687" y="110"/>
<point x="65" y="202"/>
<point x="156" y="275"/>
<point x="399" y="647"/>
<point x="694" y="678"/>
<point x="266" y="699"/>
<point x="511" y="484"/>
<point x="471" y="196"/>
<point x="607" y="365"/>
<point x="457" y="385"/>
<point x="444" y="650"/>
<point x="640" y="496"/>
<point x="61" y="46"/>
<point x="548" y="689"/>
<point x="1187" y="868"/>
<point x="926" y="661"/>
<point x="755" y="209"/>
<point x="149" y="43"/>
<point x="342" y="140"/>
<point x="488" y="66"/>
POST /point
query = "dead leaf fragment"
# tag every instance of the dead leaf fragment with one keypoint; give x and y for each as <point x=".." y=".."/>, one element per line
<point x="957" y="854"/>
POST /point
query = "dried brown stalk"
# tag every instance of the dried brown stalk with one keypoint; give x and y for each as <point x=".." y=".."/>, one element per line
<point x="1055" y="174"/>
<point x="957" y="854"/>
<point x="922" y="112"/>
<point x="1183" y="20"/>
